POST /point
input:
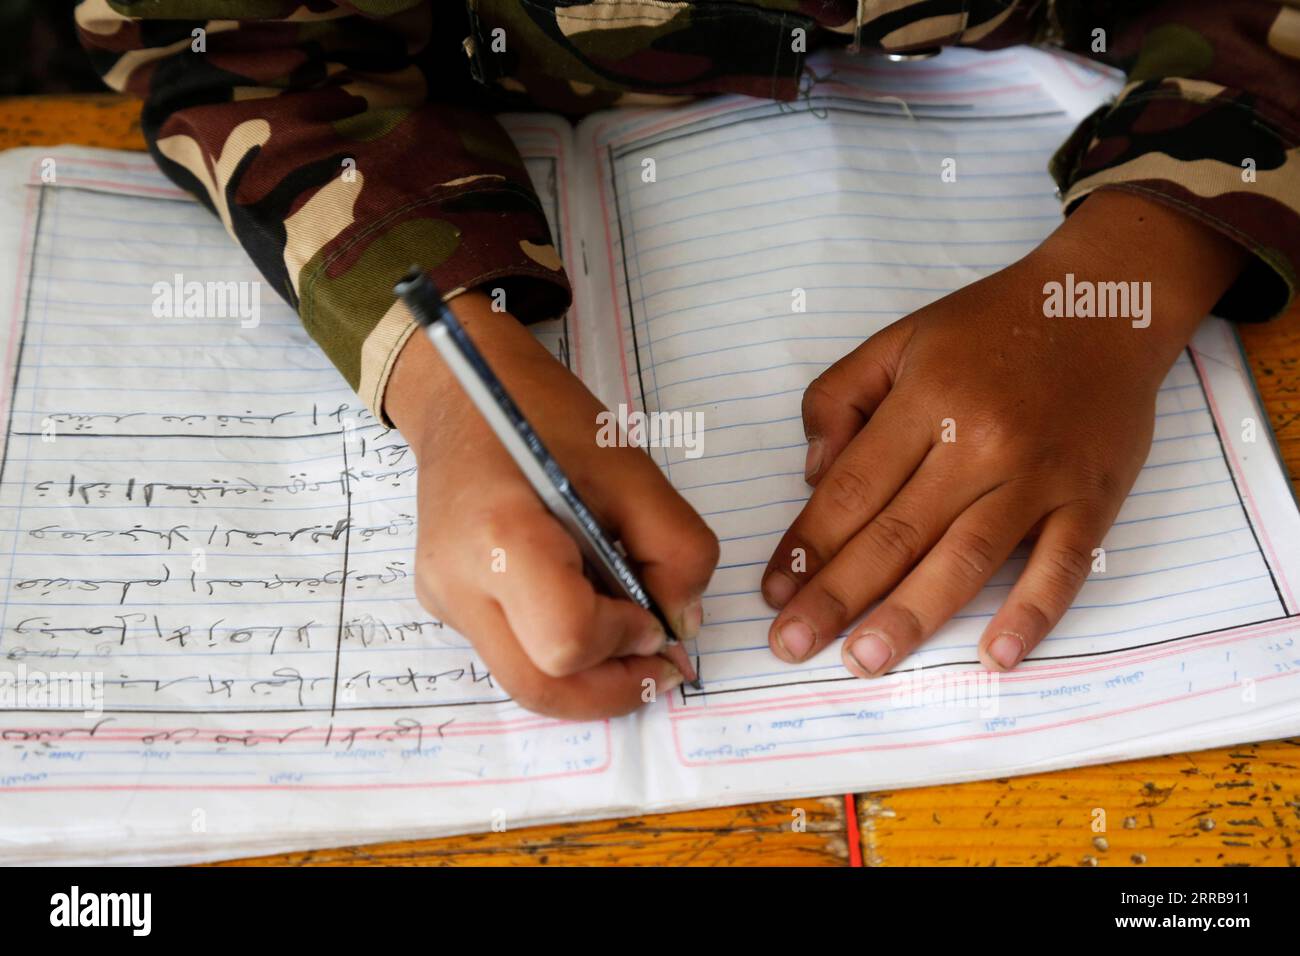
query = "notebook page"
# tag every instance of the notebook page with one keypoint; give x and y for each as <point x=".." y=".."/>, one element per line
<point x="839" y="201"/>
<point x="544" y="144"/>
<point x="213" y="541"/>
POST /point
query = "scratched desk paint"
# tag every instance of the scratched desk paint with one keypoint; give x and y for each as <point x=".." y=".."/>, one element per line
<point x="1232" y="806"/>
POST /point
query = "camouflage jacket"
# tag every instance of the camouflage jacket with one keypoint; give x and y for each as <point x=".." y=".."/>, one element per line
<point x="258" y="123"/>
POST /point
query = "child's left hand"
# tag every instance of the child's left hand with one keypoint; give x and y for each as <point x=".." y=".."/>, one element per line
<point x="944" y="440"/>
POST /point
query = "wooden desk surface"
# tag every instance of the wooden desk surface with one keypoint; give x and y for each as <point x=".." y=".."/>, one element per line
<point x="1227" y="807"/>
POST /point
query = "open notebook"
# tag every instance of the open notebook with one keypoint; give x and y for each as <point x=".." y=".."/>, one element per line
<point x="205" y="516"/>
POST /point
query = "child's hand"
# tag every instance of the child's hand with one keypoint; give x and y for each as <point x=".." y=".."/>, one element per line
<point x="494" y="564"/>
<point x="944" y="440"/>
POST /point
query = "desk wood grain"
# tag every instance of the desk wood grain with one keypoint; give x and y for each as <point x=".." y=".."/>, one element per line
<point x="1234" y="806"/>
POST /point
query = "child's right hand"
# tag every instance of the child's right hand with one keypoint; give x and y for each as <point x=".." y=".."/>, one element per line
<point x="550" y="639"/>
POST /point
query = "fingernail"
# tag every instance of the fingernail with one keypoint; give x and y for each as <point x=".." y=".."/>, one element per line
<point x="813" y="463"/>
<point x="796" y="638"/>
<point x="1006" y="649"/>
<point x="651" y="643"/>
<point x="670" y="678"/>
<point x="692" y="620"/>
<point x="779" y="588"/>
<point x="872" y="652"/>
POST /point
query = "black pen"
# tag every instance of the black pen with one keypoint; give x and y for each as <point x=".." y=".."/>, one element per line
<point x="603" y="557"/>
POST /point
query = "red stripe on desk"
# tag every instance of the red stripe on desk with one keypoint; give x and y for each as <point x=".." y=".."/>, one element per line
<point x="851" y="825"/>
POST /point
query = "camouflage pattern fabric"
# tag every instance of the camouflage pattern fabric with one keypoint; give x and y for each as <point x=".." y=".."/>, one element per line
<point x="341" y="140"/>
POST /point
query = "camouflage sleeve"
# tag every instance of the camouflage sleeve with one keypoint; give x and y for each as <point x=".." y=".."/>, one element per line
<point x="1209" y="121"/>
<point x="310" y="130"/>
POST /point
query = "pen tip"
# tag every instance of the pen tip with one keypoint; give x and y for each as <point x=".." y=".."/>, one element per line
<point x="676" y="654"/>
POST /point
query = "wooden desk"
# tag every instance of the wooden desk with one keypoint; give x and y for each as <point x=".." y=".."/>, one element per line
<point x="1227" y="807"/>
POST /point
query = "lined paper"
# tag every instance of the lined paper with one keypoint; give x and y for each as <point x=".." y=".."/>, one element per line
<point x="204" y="517"/>
<point x="841" y="198"/>
<point x="868" y="240"/>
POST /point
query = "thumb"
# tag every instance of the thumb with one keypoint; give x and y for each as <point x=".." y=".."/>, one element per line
<point x="839" y="401"/>
<point x="673" y="549"/>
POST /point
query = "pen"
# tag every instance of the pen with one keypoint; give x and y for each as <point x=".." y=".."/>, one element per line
<point x="601" y="554"/>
